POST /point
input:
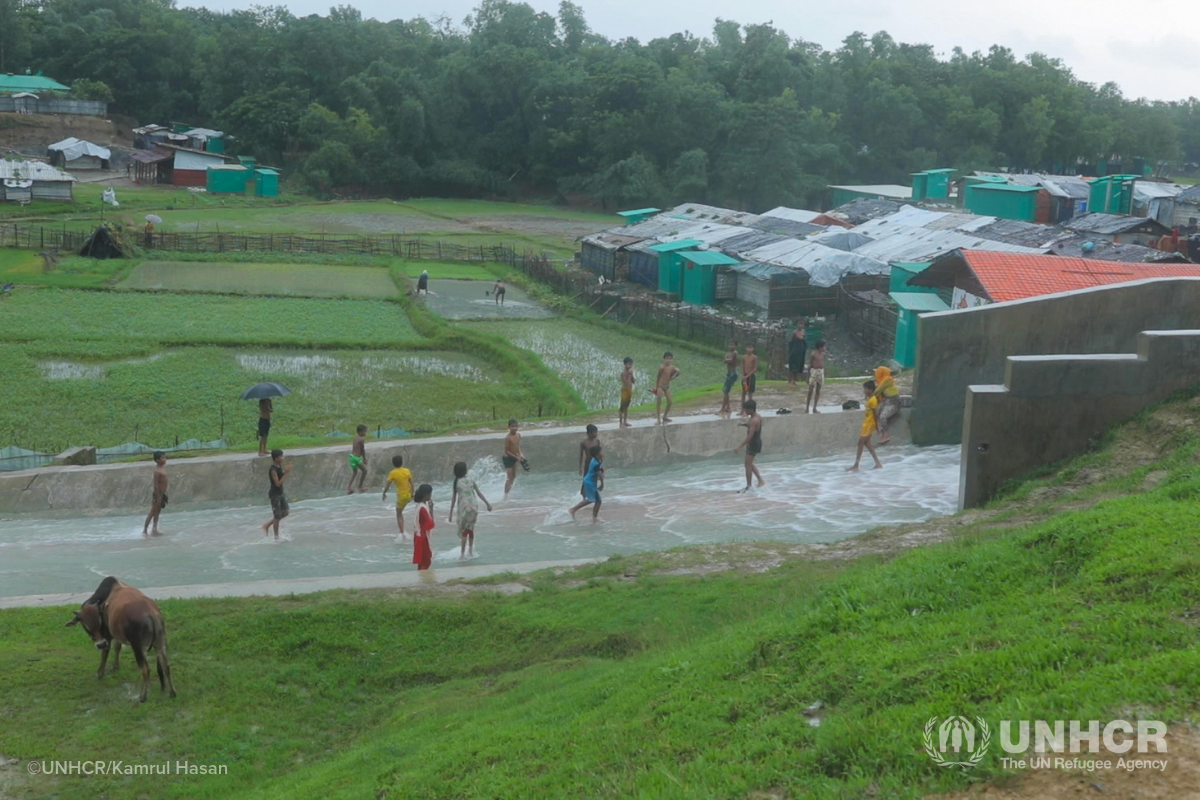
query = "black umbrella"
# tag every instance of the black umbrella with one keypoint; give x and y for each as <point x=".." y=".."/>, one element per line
<point x="260" y="390"/>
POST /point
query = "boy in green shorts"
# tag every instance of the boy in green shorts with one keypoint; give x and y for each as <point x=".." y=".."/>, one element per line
<point x="358" y="460"/>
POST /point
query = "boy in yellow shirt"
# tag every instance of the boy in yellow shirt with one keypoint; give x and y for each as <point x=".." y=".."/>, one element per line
<point x="402" y="477"/>
<point x="868" y="427"/>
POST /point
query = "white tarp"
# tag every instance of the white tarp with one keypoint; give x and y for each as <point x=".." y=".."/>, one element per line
<point x="73" y="148"/>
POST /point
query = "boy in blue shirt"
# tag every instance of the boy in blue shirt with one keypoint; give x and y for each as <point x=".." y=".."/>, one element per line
<point x="593" y="484"/>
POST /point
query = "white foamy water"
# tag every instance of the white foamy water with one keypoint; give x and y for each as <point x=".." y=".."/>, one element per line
<point x="645" y="508"/>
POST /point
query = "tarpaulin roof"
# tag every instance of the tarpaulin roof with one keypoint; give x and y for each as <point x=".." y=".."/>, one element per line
<point x="787" y="227"/>
<point x="758" y="270"/>
<point x="703" y="213"/>
<point x="203" y="133"/>
<point x="922" y="244"/>
<point x="1111" y="223"/>
<point x="824" y="265"/>
<point x="73" y="148"/>
<point x="1058" y="185"/>
<point x="842" y="239"/>
<point x="611" y="241"/>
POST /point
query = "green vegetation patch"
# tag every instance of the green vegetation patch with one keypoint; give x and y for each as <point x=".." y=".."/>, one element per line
<point x="302" y="280"/>
<point x="71" y="393"/>
<point x="25" y="268"/>
<point x="175" y="318"/>
<point x="588" y="357"/>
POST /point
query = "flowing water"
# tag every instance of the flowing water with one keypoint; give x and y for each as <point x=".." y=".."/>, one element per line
<point x="644" y="508"/>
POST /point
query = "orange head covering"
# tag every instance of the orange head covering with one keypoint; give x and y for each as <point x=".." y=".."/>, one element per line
<point x="881" y="375"/>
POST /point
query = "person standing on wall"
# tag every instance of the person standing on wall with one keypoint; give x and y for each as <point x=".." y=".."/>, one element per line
<point x="797" y="349"/>
<point x="158" y="490"/>
<point x="265" y="408"/>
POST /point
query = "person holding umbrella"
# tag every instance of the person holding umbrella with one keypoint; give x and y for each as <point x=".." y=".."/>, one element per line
<point x="151" y="221"/>
<point x="263" y="392"/>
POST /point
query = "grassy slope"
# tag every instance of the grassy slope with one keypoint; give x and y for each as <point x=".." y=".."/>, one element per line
<point x="666" y="686"/>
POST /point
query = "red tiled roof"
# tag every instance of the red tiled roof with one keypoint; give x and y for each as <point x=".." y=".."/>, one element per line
<point x="1012" y="276"/>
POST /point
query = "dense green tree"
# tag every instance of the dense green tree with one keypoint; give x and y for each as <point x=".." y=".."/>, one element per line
<point x="747" y="116"/>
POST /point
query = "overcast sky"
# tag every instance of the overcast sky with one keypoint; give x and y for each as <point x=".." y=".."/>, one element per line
<point x="1150" y="48"/>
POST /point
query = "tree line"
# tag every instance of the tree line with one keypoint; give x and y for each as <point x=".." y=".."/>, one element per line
<point x="514" y="99"/>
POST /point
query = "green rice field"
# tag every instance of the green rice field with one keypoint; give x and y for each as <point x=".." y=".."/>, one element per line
<point x="589" y="357"/>
<point x="176" y="318"/>
<point x="301" y="280"/>
<point x="55" y="397"/>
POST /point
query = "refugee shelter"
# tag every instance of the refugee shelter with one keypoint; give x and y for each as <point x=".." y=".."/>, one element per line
<point x="72" y="153"/>
<point x="22" y="181"/>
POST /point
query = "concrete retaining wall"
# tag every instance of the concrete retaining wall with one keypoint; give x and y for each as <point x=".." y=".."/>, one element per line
<point x="960" y="348"/>
<point x="1051" y="406"/>
<point x="323" y="472"/>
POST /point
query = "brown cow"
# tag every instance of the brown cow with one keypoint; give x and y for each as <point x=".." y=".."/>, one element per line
<point x="116" y="611"/>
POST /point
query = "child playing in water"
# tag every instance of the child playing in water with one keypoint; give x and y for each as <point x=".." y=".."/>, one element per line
<point x="358" y="460"/>
<point x="402" y="477"/>
<point x="731" y="376"/>
<point x="816" y="376"/>
<point x="662" y="386"/>
<point x="465" y="491"/>
<point x="422" y="551"/>
<point x="512" y="456"/>
<point x="585" y="447"/>
<point x="868" y="427"/>
<point x="593" y="484"/>
<point x="749" y="375"/>
<point x="626" y="393"/>
<point x="279" y="505"/>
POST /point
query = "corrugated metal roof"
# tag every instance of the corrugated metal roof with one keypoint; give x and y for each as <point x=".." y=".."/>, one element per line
<point x="1015" y="231"/>
<point x="889" y="190"/>
<point x="919" y="301"/>
<point x="1058" y="185"/>
<point x="1190" y="195"/>
<point x="786" y="227"/>
<point x="921" y="244"/>
<point x="150" y="156"/>
<point x="204" y="133"/>
<point x="796" y="214"/>
<point x="708" y="258"/>
<point x="611" y="241"/>
<point x="1102" y="250"/>
<point x="1149" y="190"/>
<point x="1006" y="187"/>
<point x="30" y="83"/>
<point x="862" y="209"/>
<point x="32" y="171"/>
<point x="703" y="213"/>
<point x="1108" y="223"/>
<point x="750" y="240"/>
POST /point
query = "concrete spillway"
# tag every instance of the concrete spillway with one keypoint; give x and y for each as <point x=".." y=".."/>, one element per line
<point x="647" y="506"/>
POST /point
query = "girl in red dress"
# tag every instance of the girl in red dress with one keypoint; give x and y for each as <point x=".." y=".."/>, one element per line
<point x="422" y="552"/>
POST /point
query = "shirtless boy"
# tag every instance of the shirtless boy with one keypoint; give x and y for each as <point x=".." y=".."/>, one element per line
<point x="512" y="455"/>
<point x="358" y="460"/>
<point x="731" y="376"/>
<point x="626" y="393"/>
<point x="749" y="375"/>
<point x="159" y="494"/>
<point x="752" y="443"/>
<point x="498" y="292"/>
<point x="816" y="376"/>
<point x="585" y="447"/>
<point x="662" y="386"/>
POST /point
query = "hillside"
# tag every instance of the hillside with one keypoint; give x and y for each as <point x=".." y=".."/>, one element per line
<point x="752" y="672"/>
<point x="29" y="134"/>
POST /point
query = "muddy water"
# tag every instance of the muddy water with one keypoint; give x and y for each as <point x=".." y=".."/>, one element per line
<point x="461" y="299"/>
<point x="647" y="508"/>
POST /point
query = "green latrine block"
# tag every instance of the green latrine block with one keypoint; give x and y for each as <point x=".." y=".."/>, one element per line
<point x="912" y="304"/>
<point x="637" y="215"/>
<point x="669" y="271"/>
<point x="247" y="161"/>
<point x="266" y="183"/>
<point x="700" y="275"/>
<point x="228" y="178"/>
<point x="903" y="272"/>
<point x="1003" y="200"/>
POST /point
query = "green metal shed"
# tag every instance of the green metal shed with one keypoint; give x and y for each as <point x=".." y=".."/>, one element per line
<point x="637" y="215"/>
<point x="912" y="304"/>
<point x="229" y="178"/>
<point x="1112" y="194"/>
<point x="699" y="276"/>
<point x="266" y="183"/>
<point x="668" y="263"/>
<point x="247" y="161"/>
<point x="1003" y="200"/>
<point x="903" y="271"/>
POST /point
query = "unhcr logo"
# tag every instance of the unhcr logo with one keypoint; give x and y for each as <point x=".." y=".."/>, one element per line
<point x="956" y="740"/>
